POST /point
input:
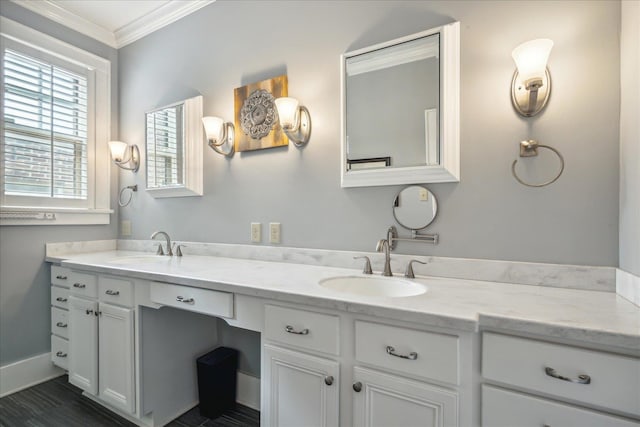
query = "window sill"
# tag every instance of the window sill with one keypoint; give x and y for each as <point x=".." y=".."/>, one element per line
<point x="54" y="216"/>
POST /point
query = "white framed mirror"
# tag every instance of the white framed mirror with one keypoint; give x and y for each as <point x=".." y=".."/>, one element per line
<point x="401" y="110"/>
<point x="174" y="145"/>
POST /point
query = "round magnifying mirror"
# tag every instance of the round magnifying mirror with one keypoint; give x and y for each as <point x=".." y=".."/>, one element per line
<point x="415" y="207"/>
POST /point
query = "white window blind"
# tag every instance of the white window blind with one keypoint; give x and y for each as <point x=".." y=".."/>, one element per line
<point x="164" y="147"/>
<point x="45" y="129"/>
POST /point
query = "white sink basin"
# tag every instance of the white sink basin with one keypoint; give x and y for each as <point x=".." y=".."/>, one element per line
<point x="374" y="286"/>
<point x="140" y="259"/>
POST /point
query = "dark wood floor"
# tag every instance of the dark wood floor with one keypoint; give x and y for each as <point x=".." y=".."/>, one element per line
<point x="58" y="403"/>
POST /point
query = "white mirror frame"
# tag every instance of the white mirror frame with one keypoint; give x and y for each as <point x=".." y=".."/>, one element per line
<point x="449" y="168"/>
<point x="193" y="149"/>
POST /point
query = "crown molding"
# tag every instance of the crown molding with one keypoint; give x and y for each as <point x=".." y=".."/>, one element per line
<point x="165" y="15"/>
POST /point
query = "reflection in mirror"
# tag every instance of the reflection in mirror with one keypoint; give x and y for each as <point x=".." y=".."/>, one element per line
<point x="174" y="139"/>
<point x="392" y="104"/>
<point x="400" y="105"/>
<point x="415" y="207"/>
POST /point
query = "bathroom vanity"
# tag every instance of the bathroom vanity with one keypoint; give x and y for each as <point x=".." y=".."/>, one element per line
<point x="463" y="353"/>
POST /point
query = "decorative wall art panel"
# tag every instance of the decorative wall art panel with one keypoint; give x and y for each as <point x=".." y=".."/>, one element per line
<point x="256" y="116"/>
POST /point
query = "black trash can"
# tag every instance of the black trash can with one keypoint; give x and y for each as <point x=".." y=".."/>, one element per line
<point x="217" y="381"/>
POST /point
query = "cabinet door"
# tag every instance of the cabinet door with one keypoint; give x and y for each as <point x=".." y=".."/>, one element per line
<point x="83" y="344"/>
<point x="298" y="389"/>
<point x="385" y="400"/>
<point x="116" y="356"/>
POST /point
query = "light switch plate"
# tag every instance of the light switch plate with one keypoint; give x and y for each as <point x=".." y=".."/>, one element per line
<point x="274" y="232"/>
<point x="256" y="232"/>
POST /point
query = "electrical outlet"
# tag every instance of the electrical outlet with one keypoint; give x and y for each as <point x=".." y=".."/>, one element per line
<point x="125" y="227"/>
<point x="256" y="232"/>
<point x="423" y="195"/>
<point x="274" y="232"/>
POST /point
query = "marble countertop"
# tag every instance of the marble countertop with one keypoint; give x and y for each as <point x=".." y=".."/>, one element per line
<point x="600" y="318"/>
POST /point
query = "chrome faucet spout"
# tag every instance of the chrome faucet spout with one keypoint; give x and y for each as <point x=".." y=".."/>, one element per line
<point x="383" y="246"/>
<point x="169" y="250"/>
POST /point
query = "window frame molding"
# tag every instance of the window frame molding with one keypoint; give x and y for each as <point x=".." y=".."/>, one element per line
<point x="98" y="210"/>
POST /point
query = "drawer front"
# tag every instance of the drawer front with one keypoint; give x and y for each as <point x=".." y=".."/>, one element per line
<point x="613" y="379"/>
<point x="115" y="291"/>
<point x="423" y="354"/>
<point x="83" y="285"/>
<point x="60" y="351"/>
<point x="206" y="301"/>
<point x="301" y="328"/>
<point x="60" y="322"/>
<point x="501" y="408"/>
<point x="60" y="297"/>
<point x="60" y="276"/>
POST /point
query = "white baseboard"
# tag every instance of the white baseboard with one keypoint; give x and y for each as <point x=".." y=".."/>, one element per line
<point x="248" y="392"/>
<point x="628" y="286"/>
<point x="26" y="373"/>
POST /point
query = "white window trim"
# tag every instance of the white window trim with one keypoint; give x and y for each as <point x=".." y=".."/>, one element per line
<point x="99" y="209"/>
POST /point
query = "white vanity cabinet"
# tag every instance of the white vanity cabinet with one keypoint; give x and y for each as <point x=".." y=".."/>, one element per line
<point x="300" y="389"/>
<point x="60" y="280"/>
<point x="101" y="339"/>
<point x="576" y="386"/>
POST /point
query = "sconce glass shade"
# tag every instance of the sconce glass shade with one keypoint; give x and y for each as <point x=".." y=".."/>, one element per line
<point x="213" y="127"/>
<point x="287" y="112"/>
<point x="122" y="154"/>
<point x="220" y="134"/>
<point x="531" y="59"/>
<point x="295" y="120"/>
<point x="118" y="150"/>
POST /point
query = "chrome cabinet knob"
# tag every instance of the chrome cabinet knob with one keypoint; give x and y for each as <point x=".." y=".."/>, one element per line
<point x="112" y="292"/>
<point x="328" y="380"/>
<point x="61" y="277"/>
<point x="357" y="387"/>
<point x="61" y="354"/>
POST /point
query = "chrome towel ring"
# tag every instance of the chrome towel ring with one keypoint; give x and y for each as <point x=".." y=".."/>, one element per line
<point x="132" y="188"/>
<point x="530" y="149"/>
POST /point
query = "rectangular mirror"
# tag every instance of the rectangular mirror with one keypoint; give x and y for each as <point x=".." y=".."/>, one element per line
<point x="400" y="110"/>
<point x="174" y="141"/>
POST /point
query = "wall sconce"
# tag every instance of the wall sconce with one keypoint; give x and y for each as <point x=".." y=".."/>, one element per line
<point x="123" y="154"/>
<point x="219" y="134"/>
<point x="531" y="83"/>
<point x="295" y="120"/>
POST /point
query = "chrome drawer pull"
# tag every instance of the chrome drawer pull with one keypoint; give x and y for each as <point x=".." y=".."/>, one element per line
<point x="61" y="354"/>
<point x="392" y="351"/>
<point x="61" y="299"/>
<point x="113" y="293"/>
<point x="190" y="301"/>
<point x="61" y="325"/>
<point x="328" y="380"/>
<point x="79" y="285"/>
<point x="582" y="379"/>
<point x="61" y="277"/>
<point x="290" y="330"/>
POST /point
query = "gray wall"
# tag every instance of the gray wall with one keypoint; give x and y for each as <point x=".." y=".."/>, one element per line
<point x="24" y="277"/>
<point x="487" y="215"/>
<point x="630" y="139"/>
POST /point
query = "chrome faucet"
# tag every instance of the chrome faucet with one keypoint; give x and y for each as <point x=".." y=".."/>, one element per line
<point x="383" y="246"/>
<point x="167" y="238"/>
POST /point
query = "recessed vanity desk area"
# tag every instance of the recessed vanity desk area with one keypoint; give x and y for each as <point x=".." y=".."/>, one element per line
<point x="343" y="358"/>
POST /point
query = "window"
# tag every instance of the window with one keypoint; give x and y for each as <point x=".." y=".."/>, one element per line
<point x="54" y="164"/>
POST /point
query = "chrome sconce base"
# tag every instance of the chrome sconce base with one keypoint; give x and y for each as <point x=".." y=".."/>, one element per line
<point x="529" y="99"/>
<point x="228" y="139"/>
<point x="300" y="135"/>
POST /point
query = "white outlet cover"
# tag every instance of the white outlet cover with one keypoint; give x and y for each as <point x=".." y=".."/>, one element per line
<point x="256" y="232"/>
<point x="274" y="232"/>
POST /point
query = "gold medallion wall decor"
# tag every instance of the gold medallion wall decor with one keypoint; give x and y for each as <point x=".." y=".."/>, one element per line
<point x="256" y="116"/>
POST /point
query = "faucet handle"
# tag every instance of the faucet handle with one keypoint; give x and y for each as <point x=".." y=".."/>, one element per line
<point x="178" y="249"/>
<point x="367" y="264"/>
<point x="159" y="251"/>
<point x="409" y="272"/>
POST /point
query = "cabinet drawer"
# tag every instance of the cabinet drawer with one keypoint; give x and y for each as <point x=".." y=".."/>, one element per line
<point x="60" y="276"/>
<point x="60" y="322"/>
<point x="83" y="285"/>
<point x="59" y="351"/>
<point x="115" y="291"/>
<point x="200" y="300"/>
<point x="300" y="328"/>
<point x="60" y="297"/>
<point x="501" y="408"/>
<point x="523" y="363"/>
<point x="424" y="354"/>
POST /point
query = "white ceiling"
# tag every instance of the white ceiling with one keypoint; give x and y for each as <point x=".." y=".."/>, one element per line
<point x="114" y="22"/>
